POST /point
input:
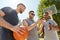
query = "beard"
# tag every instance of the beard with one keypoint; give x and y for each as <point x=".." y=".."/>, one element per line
<point x="21" y="11"/>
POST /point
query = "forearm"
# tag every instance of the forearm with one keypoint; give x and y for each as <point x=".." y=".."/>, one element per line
<point x="5" y="24"/>
<point x="56" y="28"/>
<point x="32" y="26"/>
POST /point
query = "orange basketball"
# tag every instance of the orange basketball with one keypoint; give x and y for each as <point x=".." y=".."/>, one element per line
<point x="22" y="35"/>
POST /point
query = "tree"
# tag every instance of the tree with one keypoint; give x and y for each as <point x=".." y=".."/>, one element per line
<point x="46" y="3"/>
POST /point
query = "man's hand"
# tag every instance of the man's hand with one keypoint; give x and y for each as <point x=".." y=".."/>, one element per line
<point x="50" y="26"/>
<point x="50" y="12"/>
<point x="20" y="33"/>
<point x="18" y="30"/>
<point x="42" y="21"/>
<point x="38" y="21"/>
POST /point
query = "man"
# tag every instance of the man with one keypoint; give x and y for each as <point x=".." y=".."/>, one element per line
<point x="50" y="27"/>
<point x="9" y="21"/>
<point x="33" y="35"/>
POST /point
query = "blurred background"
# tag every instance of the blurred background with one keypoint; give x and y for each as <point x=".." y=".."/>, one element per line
<point x="37" y="5"/>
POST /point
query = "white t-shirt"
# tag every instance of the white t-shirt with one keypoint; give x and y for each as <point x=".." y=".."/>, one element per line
<point x="50" y="34"/>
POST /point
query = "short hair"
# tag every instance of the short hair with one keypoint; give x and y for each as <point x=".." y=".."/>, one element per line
<point x="21" y="4"/>
<point x="46" y="13"/>
<point x="31" y="11"/>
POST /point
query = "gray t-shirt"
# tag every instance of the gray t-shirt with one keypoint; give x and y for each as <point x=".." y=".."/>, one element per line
<point x="50" y="34"/>
<point x="33" y="35"/>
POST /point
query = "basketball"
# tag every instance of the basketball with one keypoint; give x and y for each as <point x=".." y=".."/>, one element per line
<point x="21" y="36"/>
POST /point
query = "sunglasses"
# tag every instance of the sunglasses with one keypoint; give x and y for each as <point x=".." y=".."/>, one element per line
<point x="33" y="14"/>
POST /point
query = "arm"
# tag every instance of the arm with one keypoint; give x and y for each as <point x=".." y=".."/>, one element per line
<point x="6" y="25"/>
<point x="31" y="26"/>
<point x="3" y="23"/>
<point x="54" y="26"/>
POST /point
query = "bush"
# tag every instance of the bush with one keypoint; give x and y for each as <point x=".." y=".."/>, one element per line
<point x="56" y="17"/>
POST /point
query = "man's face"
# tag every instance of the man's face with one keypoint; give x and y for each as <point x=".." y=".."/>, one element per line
<point x="21" y="8"/>
<point x="31" y="15"/>
<point x="45" y="16"/>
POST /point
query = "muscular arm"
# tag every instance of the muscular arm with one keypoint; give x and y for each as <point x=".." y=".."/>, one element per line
<point x="56" y="28"/>
<point x="31" y="26"/>
<point x="3" y="23"/>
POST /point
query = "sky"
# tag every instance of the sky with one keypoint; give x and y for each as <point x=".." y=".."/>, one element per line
<point x="30" y="5"/>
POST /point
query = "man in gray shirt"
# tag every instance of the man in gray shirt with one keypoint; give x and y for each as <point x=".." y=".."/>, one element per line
<point x="50" y="27"/>
<point x="33" y="35"/>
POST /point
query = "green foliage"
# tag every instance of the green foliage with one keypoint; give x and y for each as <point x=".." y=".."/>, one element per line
<point x="56" y="17"/>
<point x="46" y="3"/>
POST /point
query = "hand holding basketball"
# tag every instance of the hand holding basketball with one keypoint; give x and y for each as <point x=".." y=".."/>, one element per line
<point x="22" y="34"/>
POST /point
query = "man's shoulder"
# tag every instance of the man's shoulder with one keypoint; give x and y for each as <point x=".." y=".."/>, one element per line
<point x="51" y="20"/>
<point x="7" y="9"/>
